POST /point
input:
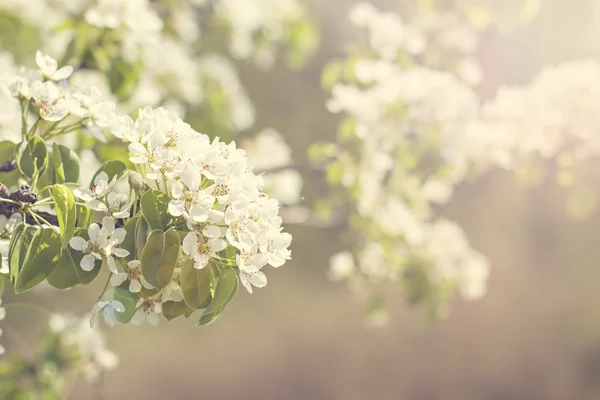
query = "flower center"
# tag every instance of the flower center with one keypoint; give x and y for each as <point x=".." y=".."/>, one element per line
<point x="220" y="190"/>
<point x="148" y="306"/>
<point x="203" y="245"/>
<point x="134" y="274"/>
<point x="172" y="142"/>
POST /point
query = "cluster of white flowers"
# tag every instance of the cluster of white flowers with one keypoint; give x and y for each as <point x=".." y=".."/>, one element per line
<point x="163" y="38"/>
<point x="89" y="343"/>
<point x="219" y="70"/>
<point x="53" y="101"/>
<point x="556" y="111"/>
<point x="390" y="107"/>
<point x="406" y="118"/>
<point x="268" y="150"/>
<point x="138" y="21"/>
<point x="442" y="40"/>
<point x="210" y="183"/>
<point x="212" y="186"/>
<point x="264" y="19"/>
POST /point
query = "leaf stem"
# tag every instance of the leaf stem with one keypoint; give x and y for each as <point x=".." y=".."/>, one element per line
<point x="4" y="200"/>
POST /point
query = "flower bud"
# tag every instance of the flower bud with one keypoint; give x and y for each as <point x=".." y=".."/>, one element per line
<point x="135" y="180"/>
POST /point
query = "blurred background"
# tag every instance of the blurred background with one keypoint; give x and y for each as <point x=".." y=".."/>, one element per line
<point x="535" y="335"/>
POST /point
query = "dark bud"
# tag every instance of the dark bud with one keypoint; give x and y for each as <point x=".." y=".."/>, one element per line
<point x="24" y="195"/>
<point x="4" y="193"/>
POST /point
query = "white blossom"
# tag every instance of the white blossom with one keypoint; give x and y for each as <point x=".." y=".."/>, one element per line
<point x="108" y="310"/>
<point x="49" y="67"/>
<point x="147" y="310"/>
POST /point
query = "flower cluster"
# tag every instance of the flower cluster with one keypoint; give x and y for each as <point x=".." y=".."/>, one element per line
<point x="197" y="194"/>
<point x="155" y="45"/>
<point x="212" y="187"/>
<point x="556" y="111"/>
<point x="68" y="108"/>
<point x="272" y="22"/>
<point x="399" y="154"/>
<point x="441" y="40"/>
<point x="88" y="343"/>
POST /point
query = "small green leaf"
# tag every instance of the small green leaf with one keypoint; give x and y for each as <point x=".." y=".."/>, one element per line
<point x="57" y="171"/>
<point x="111" y="168"/>
<point x="85" y="216"/>
<point x="32" y="157"/>
<point x="129" y="300"/>
<point x="18" y="246"/>
<point x="129" y="241"/>
<point x="65" y="164"/>
<point x="173" y="309"/>
<point x="41" y="259"/>
<point x="225" y="291"/>
<point x="66" y="212"/>
<point x="68" y="273"/>
<point x="141" y="236"/>
<point x="159" y="257"/>
<point x="155" y="207"/>
<point x="197" y="285"/>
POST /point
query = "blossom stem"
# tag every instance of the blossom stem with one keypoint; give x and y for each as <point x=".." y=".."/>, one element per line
<point x="49" y="131"/>
<point x="25" y="110"/>
<point x="105" y="287"/>
<point x="34" y="127"/>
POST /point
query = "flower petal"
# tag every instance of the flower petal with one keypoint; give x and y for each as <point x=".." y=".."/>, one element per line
<point x="118" y="279"/>
<point x="78" y="243"/>
<point x="88" y="262"/>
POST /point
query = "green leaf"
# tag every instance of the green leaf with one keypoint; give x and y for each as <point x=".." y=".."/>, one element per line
<point x="159" y="257"/>
<point x="141" y="236"/>
<point x="197" y="285"/>
<point x="7" y="153"/>
<point x="172" y="310"/>
<point x="66" y="212"/>
<point x="124" y="77"/>
<point x="68" y="272"/>
<point x="129" y="300"/>
<point x="18" y="246"/>
<point x="85" y="216"/>
<point x="155" y="207"/>
<point x="225" y="291"/>
<point x="111" y="168"/>
<point x="41" y="259"/>
<point x="32" y="157"/>
<point x="65" y="164"/>
<point x="129" y="241"/>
